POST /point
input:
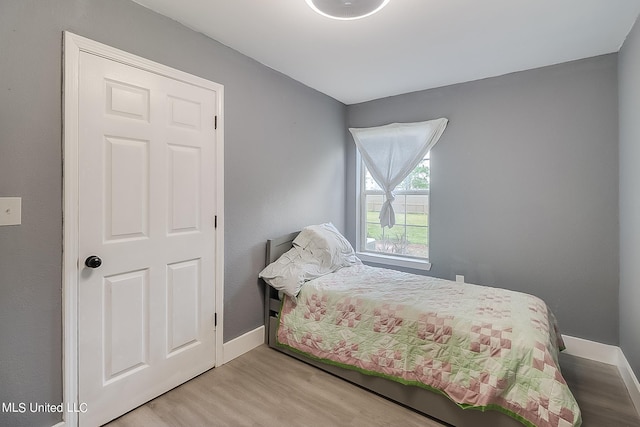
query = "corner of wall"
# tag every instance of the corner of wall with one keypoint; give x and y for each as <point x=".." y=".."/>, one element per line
<point x="629" y="200"/>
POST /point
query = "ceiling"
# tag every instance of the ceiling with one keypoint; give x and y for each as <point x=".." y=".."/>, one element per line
<point x="409" y="45"/>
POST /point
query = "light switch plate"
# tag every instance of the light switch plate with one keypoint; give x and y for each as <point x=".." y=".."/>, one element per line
<point x="10" y="210"/>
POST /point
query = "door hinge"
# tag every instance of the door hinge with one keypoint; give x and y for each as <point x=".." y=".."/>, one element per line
<point x="215" y="319"/>
<point x="215" y="122"/>
<point x="215" y="221"/>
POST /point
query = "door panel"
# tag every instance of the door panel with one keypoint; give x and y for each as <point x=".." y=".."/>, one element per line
<point x="126" y="323"/>
<point x="184" y="188"/>
<point x="126" y="188"/>
<point x="126" y="100"/>
<point x="185" y="113"/>
<point x="183" y="289"/>
<point x="147" y="196"/>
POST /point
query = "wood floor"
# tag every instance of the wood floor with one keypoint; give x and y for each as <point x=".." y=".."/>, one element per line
<point x="266" y="388"/>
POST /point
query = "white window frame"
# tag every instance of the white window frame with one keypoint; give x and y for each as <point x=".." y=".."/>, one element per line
<point x="361" y="227"/>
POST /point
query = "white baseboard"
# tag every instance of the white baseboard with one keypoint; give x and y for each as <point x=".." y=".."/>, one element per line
<point x="608" y="354"/>
<point x="591" y="350"/>
<point x="244" y="343"/>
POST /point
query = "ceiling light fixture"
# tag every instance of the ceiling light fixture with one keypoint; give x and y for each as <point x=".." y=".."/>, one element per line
<point x="346" y="9"/>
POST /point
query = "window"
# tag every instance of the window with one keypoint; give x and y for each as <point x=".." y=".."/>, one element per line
<point x="407" y="242"/>
<point x="393" y="191"/>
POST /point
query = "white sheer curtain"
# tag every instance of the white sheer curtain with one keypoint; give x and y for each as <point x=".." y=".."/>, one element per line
<point x="392" y="151"/>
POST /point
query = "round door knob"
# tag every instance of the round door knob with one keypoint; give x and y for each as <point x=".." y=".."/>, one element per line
<point x="93" y="261"/>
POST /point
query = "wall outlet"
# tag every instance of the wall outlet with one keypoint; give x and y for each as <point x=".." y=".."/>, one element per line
<point x="10" y="210"/>
<point x="459" y="278"/>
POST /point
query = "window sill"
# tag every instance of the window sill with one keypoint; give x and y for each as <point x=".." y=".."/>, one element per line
<point x="395" y="261"/>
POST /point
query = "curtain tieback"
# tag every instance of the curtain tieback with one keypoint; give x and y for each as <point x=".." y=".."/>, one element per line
<point x="390" y="196"/>
<point x="387" y="215"/>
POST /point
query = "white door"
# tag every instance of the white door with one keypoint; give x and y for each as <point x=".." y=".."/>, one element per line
<point x="146" y="155"/>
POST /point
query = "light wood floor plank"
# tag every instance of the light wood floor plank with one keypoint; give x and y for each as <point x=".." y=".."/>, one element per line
<point x="266" y="388"/>
<point x="600" y="392"/>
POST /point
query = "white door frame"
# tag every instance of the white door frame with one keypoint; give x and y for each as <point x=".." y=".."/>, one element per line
<point x="73" y="46"/>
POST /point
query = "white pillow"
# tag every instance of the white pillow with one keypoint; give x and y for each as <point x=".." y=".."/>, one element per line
<point x="286" y="274"/>
<point x="325" y="243"/>
<point x="317" y="250"/>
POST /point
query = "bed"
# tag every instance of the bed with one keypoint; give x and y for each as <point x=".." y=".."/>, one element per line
<point x="430" y="391"/>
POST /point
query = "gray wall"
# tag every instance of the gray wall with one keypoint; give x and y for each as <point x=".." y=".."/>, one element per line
<point x="284" y="159"/>
<point x="629" y="108"/>
<point x="524" y="190"/>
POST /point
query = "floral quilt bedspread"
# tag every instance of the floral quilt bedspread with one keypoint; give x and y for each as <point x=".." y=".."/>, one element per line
<point x="482" y="347"/>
